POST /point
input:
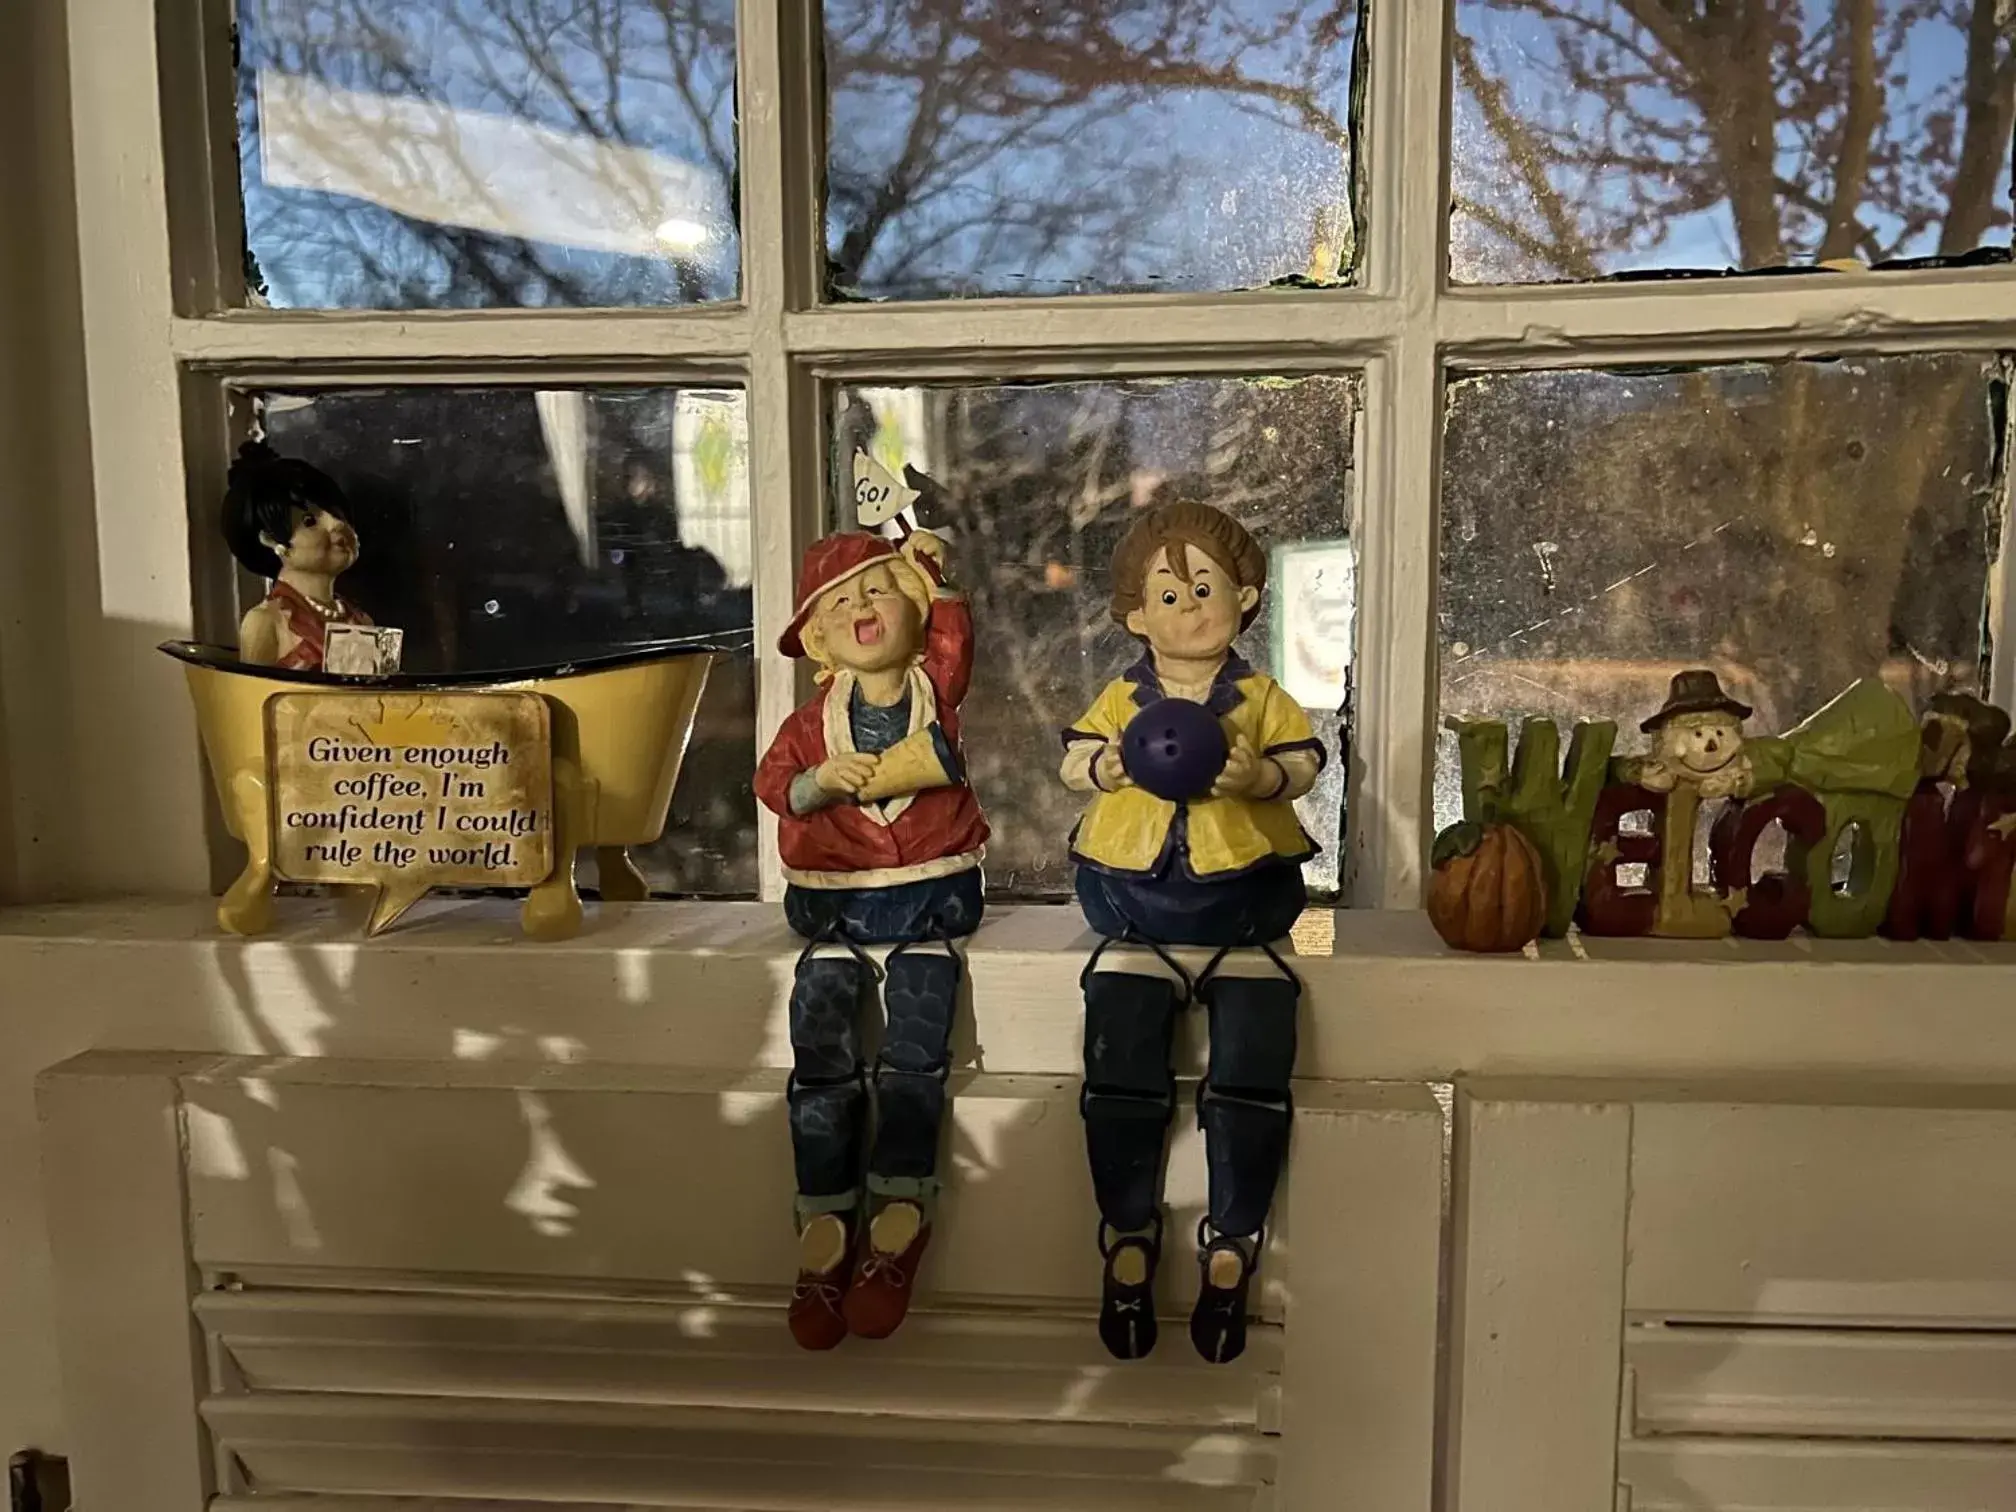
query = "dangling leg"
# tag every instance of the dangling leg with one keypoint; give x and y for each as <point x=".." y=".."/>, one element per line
<point x="1245" y="1110"/>
<point x="1129" y="1097"/>
<point x="828" y="1106"/>
<point x="921" y="995"/>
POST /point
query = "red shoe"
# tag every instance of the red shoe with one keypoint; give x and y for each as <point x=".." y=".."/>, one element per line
<point x="815" y="1316"/>
<point x="890" y="1254"/>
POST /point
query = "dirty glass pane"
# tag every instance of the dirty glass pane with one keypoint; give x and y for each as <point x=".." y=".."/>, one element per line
<point x="1032" y="485"/>
<point x="506" y="527"/>
<point x="1087" y="147"/>
<point x="414" y="154"/>
<point x="1793" y="526"/>
<point x="1608" y="136"/>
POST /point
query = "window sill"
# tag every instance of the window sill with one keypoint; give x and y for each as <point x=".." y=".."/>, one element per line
<point x="704" y="985"/>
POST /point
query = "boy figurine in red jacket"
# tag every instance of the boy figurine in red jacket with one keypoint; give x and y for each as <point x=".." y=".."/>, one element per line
<point x="882" y="842"/>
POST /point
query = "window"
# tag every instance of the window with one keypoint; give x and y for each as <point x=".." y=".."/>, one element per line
<point x="1436" y="300"/>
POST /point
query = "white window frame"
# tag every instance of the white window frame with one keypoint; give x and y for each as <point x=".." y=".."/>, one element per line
<point x="162" y="343"/>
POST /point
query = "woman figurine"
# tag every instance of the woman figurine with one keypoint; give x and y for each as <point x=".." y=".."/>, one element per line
<point x="287" y="521"/>
<point x="1194" y="760"/>
<point x="882" y="842"/>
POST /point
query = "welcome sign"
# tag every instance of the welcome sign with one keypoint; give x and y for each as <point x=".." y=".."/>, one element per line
<point x="402" y="793"/>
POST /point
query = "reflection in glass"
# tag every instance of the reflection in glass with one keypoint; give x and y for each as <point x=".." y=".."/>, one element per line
<point x="1606" y="136"/>
<point x="408" y="154"/>
<point x="1086" y="147"/>
<point x="1793" y="526"/>
<point x="508" y="527"/>
<point x="1033" y="484"/>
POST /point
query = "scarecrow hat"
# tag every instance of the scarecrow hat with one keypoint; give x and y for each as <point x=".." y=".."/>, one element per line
<point x="828" y="563"/>
<point x="1698" y="692"/>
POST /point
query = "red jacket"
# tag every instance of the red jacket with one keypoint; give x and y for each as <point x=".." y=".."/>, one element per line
<point x="932" y="834"/>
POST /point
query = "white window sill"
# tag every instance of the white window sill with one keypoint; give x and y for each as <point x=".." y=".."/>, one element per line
<point x="704" y="985"/>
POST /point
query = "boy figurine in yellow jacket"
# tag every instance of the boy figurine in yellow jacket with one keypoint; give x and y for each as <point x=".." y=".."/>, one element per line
<point x="1194" y="761"/>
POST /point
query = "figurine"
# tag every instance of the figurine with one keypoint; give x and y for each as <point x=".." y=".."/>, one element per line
<point x="287" y="521"/>
<point x="1194" y="761"/>
<point x="882" y="843"/>
<point x="1697" y="753"/>
<point x="1961" y="741"/>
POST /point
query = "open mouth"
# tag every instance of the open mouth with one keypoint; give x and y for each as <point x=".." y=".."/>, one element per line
<point x="868" y="632"/>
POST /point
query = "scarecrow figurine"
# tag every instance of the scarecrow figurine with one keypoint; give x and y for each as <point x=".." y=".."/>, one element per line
<point x="1194" y="761"/>
<point x="882" y="842"/>
<point x="1697" y="741"/>
<point x="287" y="521"/>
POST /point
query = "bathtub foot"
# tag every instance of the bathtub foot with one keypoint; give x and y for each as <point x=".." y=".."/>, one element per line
<point x="622" y="882"/>
<point x="552" y="910"/>
<point x="247" y="905"/>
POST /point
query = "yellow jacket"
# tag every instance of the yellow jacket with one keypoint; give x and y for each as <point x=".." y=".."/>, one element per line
<point x="1128" y="831"/>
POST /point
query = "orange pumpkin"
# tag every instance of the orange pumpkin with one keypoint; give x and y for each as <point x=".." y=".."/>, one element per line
<point x="1488" y="891"/>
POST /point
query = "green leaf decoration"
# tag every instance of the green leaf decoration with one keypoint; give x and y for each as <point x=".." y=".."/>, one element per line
<point x="1460" y="839"/>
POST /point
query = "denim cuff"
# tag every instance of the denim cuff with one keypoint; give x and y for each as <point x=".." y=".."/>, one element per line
<point x="809" y="1208"/>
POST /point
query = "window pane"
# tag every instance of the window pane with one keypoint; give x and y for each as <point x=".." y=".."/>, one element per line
<point x="1610" y="136"/>
<point x="405" y="154"/>
<point x="1033" y="485"/>
<point x="1794" y="526"/>
<point x="1087" y="147"/>
<point x="504" y="527"/>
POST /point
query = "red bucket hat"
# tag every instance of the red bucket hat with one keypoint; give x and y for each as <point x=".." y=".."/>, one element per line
<point x="827" y="563"/>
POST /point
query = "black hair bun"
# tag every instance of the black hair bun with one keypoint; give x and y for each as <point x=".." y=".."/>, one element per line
<point x="254" y="459"/>
<point x="263" y="491"/>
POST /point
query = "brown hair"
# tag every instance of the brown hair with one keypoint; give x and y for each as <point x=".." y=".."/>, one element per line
<point x="1177" y="527"/>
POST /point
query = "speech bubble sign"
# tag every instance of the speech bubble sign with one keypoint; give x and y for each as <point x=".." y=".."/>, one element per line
<point x="402" y="793"/>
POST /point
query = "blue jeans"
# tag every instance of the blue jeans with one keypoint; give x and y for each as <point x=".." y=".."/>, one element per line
<point x="1243" y="1104"/>
<point x="828" y="1093"/>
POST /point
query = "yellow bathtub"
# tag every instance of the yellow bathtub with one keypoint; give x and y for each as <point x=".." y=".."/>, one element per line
<point x="620" y="725"/>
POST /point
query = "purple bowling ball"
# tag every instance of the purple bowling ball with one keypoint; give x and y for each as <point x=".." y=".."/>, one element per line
<point x="1174" y="749"/>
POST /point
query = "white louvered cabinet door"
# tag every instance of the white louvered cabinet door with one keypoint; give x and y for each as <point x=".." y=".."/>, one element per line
<point x="538" y="1287"/>
<point x="1813" y="1299"/>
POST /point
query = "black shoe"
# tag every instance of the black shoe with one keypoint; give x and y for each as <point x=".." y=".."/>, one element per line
<point x="1218" y="1323"/>
<point x="1127" y="1308"/>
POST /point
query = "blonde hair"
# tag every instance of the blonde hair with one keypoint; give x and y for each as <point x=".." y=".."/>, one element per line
<point x="910" y="582"/>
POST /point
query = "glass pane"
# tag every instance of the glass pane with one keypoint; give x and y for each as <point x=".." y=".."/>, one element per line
<point x="1793" y="526"/>
<point x="412" y="154"/>
<point x="1087" y="148"/>
<point x="505" y="527"/>
<point x="1032" y="485"/>
<point x="1610" y="136"/>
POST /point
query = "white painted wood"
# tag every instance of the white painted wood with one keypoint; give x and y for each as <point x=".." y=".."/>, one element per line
<point x="675" y="1178"/>
<point x="980" y="1364"/>
<point x="1401" y="440"/>
<point x="783" y="264"/>
<point x="1730" y="319"/>
<point x="242" y="339"/>
<point x="1362" y="1226"/>
<point x="112" y="1170"/>
<point x="705" y="985"/>
<point x="678" y="1456"/>
<point x="1865" y="1213"/>
<point x="1539" y="1197"/>
<point x="1821" y="1383"/>
<point x="143" y="830"/>
<point x="1722" y="1475"/>
<point x="1262" y="331"/>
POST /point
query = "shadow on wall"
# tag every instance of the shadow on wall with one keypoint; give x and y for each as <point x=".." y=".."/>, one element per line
<point x="513" y="1160"/>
